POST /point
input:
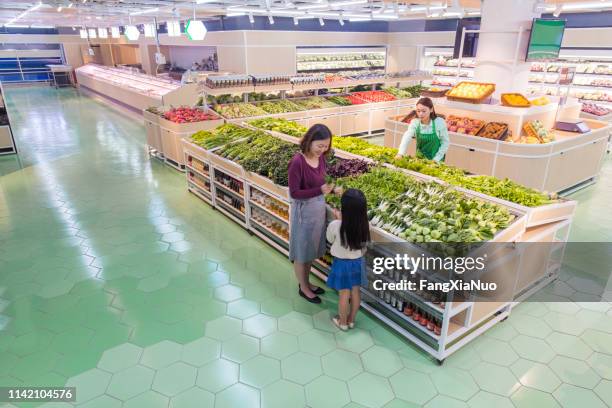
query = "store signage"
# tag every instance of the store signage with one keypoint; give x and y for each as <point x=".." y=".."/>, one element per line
<point x="115" y="32"/>
<point x="83" y="33"/>
<point x="132" y="33"/>
<point x="92" y="33"/>
<point x="195" y="30"/>
<point x="102" y="33"/>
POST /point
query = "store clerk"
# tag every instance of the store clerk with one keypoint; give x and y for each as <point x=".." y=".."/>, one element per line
<point x="430" y="132"/>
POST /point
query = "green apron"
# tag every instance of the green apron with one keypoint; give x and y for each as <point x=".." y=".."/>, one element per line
<point x="428" y="144"/>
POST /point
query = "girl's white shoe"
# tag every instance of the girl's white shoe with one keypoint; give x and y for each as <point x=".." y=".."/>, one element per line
<point x="336" y="321"/>
<point x="351" y="325"/>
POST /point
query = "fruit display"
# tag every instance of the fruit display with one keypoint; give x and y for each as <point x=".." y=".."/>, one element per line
<point x="283" y="126"/>
<point x="355" y="100"/>
<point x="261" y="96"/>
<point x="541" y="101"/>
<point x="262" y="154"/>
<point x="536" y="133"/>
<point x="347" y="168"/>
<point x="185" y="114"/>
<point x="153" y="110"/>
<point x="339" y="100"/>
<point x="470" y="91"/>
<point x="594" y="109"/>
<point x="222" y="99"/>
<point x="515" y="100"/>
<point x="430" y="212"/>
<point x="464" y="125"/>
<point x="239" y="110"/>
<point x="209" y="139"/>
<point x="315" y="102"/>
<point x="279" y="106"/>
<point x="494" y="130"/>
<point x="434" y="92"/>
<point x="375" y="96"/>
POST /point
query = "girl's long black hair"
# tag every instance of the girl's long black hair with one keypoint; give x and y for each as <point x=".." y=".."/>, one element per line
<point x="355" y="228"/>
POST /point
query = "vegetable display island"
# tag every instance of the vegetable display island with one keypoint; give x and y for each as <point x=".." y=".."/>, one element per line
<point x="556" y="162"/>
<point x="134" y="90"/>
<point x="240" y="170"/>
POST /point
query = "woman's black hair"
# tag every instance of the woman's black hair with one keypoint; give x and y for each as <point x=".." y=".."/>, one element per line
<point x="316" y="132"/>
<point x="425" y="101"/>
<point x="355" y="228"/>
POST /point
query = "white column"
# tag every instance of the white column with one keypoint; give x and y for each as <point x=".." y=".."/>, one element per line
<point x="496" y="51"/>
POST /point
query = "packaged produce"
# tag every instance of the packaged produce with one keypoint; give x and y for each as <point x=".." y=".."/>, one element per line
<point x="494" y="130"/>
<point x="541" y="101"/>
<point x="464" y="125"/>
<point x="516" y="100"/>
<point x="239" y="110"/>
<point x="209" y="139"/>
<point x="185" y="114"/>
<point x="471" y="91"/>
<point x="594" y="109"/>
<point x="536" y="133"/>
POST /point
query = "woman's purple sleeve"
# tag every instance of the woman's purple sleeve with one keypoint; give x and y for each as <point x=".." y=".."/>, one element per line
<point x="295" y="181"/>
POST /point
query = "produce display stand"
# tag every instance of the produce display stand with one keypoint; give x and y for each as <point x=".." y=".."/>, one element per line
<point x="171" y="133"/>
<point x="7" y="141"/>
<point x="135" y="91"/>
<point x="61" y="75"/>
<point x="153" y="134"/>
<point x="461" y="319"/>
<point x="571" y="161"/>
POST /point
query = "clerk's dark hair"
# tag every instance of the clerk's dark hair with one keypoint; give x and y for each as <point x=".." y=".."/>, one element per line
<point x="315" y="133"/>
<point x="355" y="228"/>
<point x="425" y="101"/>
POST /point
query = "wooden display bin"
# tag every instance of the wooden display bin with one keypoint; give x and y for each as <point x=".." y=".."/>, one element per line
<point x="172" y="133"/>
<point x="228" y="166"/>
<point x="6" y="140"/>
<point x="267" y="185"/>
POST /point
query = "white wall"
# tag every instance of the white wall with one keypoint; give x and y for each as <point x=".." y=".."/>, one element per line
<point x="184" y="57"/>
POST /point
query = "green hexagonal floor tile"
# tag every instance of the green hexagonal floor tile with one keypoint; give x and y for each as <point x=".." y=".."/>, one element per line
<point x="240" y="348"/>
<point x="454" y="383"/>
<point x="604" y="391"/>
<point x="242" y="308"/>
<point x="174" y="379"/>
<point x="598" y="341"/>
<point x="495" y="351"/>
<point x="317" y="342"/>
<point x="223" y="328"/>
<point x="148" y="399"/>
<point x="495" y="379"/>
<point x="574" y="372"/>
<point x="260" y="371"/>
<point x="602" y="364"/>
<point x="570" y="396"/>
<point x="382" y="361"/>
<point x="194" y="397"/>
<point x="485" y="399"/>
<point x="279" y="345"/>
<point x="327" y="392"/>
<point x="238" y="395"/>
<point x="530" y="326"/>
<point x="413" y="386"/>
<point x="370" y="390"/>
<point x="301" y="368"/>
<point x="534" y="349"/>
<point x="283" y="394"/>
<point x="526" y="397"/>
<point x="341" y="364"/>
<point x="442" y="401"/>
<point x="228" y="293"/>
<point x="121" y="357"/>
<point x="535" y="375"/>
<point x="201" y="351"/>
<point x="161" y="355"/>
<point x="217" y="375"/>
<point x="295" y="323"/>
<point x="259" y="325"/>
<point x="355" y="340"/>
<point x="569" y="346"/>
<point x="90" y="384"/>
<point x="128" y="383"/>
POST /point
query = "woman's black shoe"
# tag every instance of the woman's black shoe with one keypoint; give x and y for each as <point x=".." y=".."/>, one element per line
<point x="315" y="299"/>
<point x="318" y="291"/>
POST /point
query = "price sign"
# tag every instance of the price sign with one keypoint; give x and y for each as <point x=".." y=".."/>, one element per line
<point x="566" y="75"/>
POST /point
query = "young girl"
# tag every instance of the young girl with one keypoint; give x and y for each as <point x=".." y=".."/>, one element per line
<point x="348" y="237"/>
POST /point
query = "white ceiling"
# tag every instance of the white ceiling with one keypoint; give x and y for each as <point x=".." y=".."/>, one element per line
<point x="105" y="13"/>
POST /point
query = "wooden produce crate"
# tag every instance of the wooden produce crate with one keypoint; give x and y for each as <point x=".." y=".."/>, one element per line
<point x="172" y="133"/>
<point x="481" y="99"/>
<point x="506" y="102"/>
<point x="195" y="150"/>
<point x="153" y="133"/>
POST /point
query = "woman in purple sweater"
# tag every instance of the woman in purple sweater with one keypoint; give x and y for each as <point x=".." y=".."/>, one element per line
<point x="307" y="189"/>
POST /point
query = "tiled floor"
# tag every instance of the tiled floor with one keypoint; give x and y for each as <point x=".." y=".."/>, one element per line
<point x="117" y="281"/>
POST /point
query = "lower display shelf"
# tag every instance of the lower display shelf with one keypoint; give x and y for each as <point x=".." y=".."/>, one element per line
<point x="202" y="194"/>
<point x="202" y="173"/>
<point x="270" y="233"/>
<point x="232" y="212"/>
<point x="239" y="195"/>
<point x="272" y="213"/>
